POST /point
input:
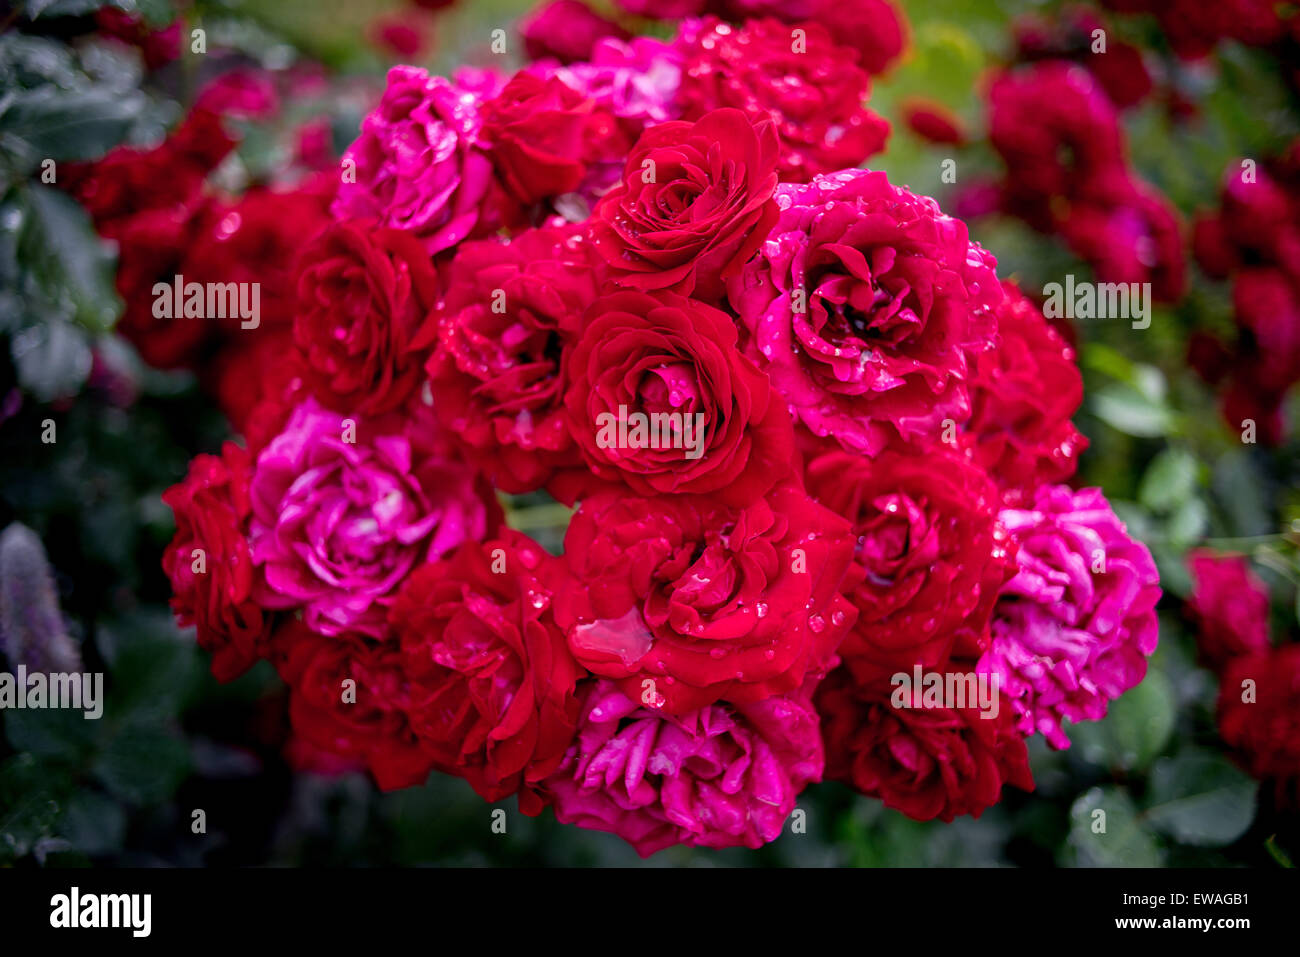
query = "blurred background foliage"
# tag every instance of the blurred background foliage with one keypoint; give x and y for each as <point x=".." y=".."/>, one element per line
<point x="123" y="790"/>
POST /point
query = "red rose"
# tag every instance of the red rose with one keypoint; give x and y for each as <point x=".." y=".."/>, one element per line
<point x="927" y="762"/>
<point x="930" y="557"/>
<point x="1264" y="728"/>
<point x="157" y="47"/>
<point x="209" y="564"/>
<point x="566" y="30"/>
<point x="497" y="680"/>
<point x="661" y="356"/>
<point x="256" y="239"/>
<point x="809" y="86"/>
<point x="245" y="372"/>
<point x="350" y="698"/>
<point x="694" y="204"/>
<point x="496" y="376"/>
<point x="1229" y="605"/>
<point x="150" y="245"/>
<point x="1021" y="432"/>
<point x="705" y="601"/>
<point x="1136" y="237"/>
<point x="541" y="134"/>
<point x="364" y="294"/>
<point x="876" y="29"/>
<point x="1059" y="136"/>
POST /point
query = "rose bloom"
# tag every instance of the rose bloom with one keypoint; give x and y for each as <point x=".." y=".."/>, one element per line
<point x="1070" y="37"/>
<point x="364" y="296"/>
<point x="212" y="509"/>
<point x="1073" y="629"/>
<point x="1059" y="136"/>
<point x="480" y="645"/>
<point x="246" y="370"/>
<point x="246" y="93"/>
<point x="1229" y="605"/>
<point x="704" y="211"/>
<point x="374" y="730"/>
<point x="663" y="355"/>
<point x="1263" y="727"/>
<point x="722" y="776"/>
<point x="400" y="37"/>
<point x="863" y="306"/>
<point x="814" y="93"/>
<point x="130" y="180"/>
<point x="928" y="763"/>
<point x="497" y="376"/>
<point x="875" y="29"/>
<point x="929" y="560"/>
<point x="338" y="525"/>
<point x="1137" y="238"/>
<point x="157" y="47"/>
<point x="704" y="601"/>
<point x="542" y="134"/>
<point x="1020" y="432"/>
<point x="416" y="161"/>
<point x="566" y="30"/>
<point x="149" y="247"/>
<point x="256" y="239"/>
<point x="637" y="81"/>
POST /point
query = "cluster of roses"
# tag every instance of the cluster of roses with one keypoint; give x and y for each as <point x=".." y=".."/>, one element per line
<point x="1253" y="239"/>
<point x="661" y="229"/>
<point x="1054" y="118"/>
<point x="1259" y="689"/>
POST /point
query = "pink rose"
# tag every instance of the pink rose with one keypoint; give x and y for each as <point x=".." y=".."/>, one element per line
<point x="343" y="511"/>
<point x="863" y="306"/>
<point x="416" y="163"/>
<point x="719" y="777"/>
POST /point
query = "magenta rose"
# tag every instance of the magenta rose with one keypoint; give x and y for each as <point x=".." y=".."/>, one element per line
<point x="722" y="776"/>
<point x="863" y="307"/>
<point x="1074" y="628"/>
<point x="1229" y="604"/>
<point x="416" y="162"/>
<point x="694" y="204"/>
<point x="343" y="511"/>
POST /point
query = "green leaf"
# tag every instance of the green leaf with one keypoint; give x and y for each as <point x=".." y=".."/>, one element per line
<point x="1169" y="481"/>
<point x="1240" y="488"/>
<point x="52" y="361"/>
<point x="93" y="823"/>
<point x="1201" y="798"/>
<point x="29" y="805"/>
<point x="1125" y="408"/>
<point x="64" y="734"/>
<point x="1188" y="523"/>
<point x="73" y="266"/>
<point x="1277" y="853"/>
<point x="142" y="764"/>
<point x="70" y="124"/>
<point x="1134" y="731"/>
<point x="1106" y="831"/>
<point x="62" y="8"/>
